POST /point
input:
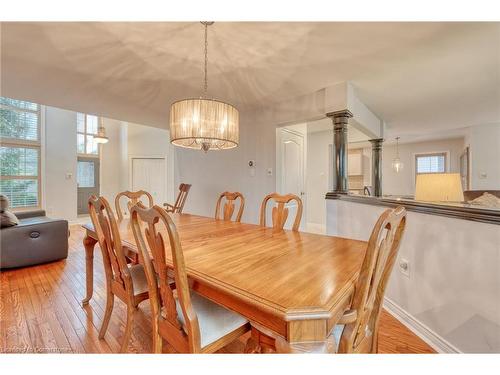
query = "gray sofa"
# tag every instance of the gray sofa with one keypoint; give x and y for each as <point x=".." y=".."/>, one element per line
<point x="36" y="239"/>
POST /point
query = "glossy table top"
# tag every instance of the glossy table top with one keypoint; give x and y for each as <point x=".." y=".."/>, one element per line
<point x="290" y="274"/>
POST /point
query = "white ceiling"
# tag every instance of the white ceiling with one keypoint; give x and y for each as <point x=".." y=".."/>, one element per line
<point x="418" y="77"/>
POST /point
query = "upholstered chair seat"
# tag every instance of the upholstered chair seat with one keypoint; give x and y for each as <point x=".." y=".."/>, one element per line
<point x="215" y="321"/>
<point x="124" y="278"/>
<point x="337" y="334"/>
<point x="189" y="322"/>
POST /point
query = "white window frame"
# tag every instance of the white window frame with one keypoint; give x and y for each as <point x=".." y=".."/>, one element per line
<point x="433" y="153"/>
<point x="85" y="133"/>
<point x="25" y="143"/>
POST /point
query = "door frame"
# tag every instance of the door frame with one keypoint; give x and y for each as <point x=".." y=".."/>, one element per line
<point x="169" y="172"/>
<point x="279" y="167"/>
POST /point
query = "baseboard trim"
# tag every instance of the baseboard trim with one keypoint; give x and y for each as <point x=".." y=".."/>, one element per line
<point x="421" y="330"/>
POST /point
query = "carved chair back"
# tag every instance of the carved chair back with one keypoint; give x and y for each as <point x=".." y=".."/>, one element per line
<point x="228" y="208"/>
<point x="280" y="211"/>
<point x="133" y="198"/>
<point x="181" y="199"/>
<point x="155" y="234"/>
<point x="108" y="235"/>
<point x="360" y="336"/>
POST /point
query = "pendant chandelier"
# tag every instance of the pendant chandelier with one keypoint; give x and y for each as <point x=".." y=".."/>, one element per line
<point x="100" y="137"/>
<point x="203" y="123"/>
<point x="397" y="164"/>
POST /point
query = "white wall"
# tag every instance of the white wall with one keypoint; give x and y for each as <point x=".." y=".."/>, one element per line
<point x="484" y="143"/>
<point x="403" y="183"/>
<point x="367" y="166"/>
<point x="128" y="140"/>
<point x="318" y="168"/>
<point x="59" y="180"/>
<point x="454" y="283"/>
<point x="217" y="171"/>
<point x="317" y="175"/>
<point x="145" y="141"/>
<point x="59" y="189"/>
<point x="111" y="153"/>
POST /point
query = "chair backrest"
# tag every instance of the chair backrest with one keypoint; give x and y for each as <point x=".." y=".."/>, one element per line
<point x="360" y="336"/>
<point x="280" y="212"/>
<point x="229" y="206"/>
<point x="108" y="235"/>
<point x="133" y="198"/>
<point x="155" y="233"/>
<point x="181" y="198"/>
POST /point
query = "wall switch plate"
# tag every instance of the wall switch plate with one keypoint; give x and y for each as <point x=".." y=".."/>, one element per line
<point x="269" y="171"/>
<point x="404" y="267"/>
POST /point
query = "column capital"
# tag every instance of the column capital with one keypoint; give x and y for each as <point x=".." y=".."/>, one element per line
<point x="342" y="113"/>
<point x="377" y="142"/>
<point x="340" y="119"/>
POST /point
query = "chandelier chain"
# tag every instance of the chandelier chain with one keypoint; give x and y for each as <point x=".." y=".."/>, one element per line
<point x="206" y="59"/>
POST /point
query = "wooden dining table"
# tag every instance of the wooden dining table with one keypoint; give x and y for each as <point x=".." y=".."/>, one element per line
<point x="292" y="284"/>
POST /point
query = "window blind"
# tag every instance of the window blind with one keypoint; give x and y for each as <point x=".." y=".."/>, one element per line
<point x="20" y="152"/>
<point x="431" y="164"/>
<point x="17" y="124"/>
<point x="21" y="193"/>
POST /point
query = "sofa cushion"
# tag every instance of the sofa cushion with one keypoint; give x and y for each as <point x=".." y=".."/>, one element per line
<point x="28" y="214"/>
<point x="8" y="219"/>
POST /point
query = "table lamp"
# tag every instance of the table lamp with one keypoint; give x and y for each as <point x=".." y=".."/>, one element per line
<point x="439" y="187"/>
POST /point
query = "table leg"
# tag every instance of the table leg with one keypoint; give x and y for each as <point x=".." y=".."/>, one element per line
<point x="264" y="341"/>
<point x="89" y="244"/>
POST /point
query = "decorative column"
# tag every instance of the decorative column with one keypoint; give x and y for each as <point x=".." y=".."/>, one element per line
<point x="377" y="166"/>
<point x="340" y="120"/>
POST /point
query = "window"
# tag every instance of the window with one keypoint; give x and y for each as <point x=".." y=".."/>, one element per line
<point x="20" y="152"/>
<point x="86" y="129"/>
<point x="430" y="163"/>
<point x="85" y="175"/>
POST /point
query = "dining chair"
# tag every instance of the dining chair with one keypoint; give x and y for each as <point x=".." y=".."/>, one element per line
<point x="178" y="206"/>
<point x="133" y="198"/>
<point x="280" y="212"/>
<point x="357" y="330"/>
<point x="126" y="281"/>
<point x="228" y="208"/>
<point x="188" y="321"/>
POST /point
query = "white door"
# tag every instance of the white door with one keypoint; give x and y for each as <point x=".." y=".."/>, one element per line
<point x="149" y="174"/>
<point x="291" y="145"/>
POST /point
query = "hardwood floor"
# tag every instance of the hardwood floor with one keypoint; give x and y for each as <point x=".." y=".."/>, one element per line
<point x="40" y="312"/>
